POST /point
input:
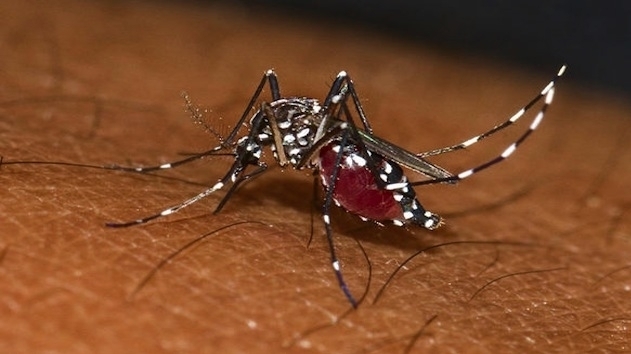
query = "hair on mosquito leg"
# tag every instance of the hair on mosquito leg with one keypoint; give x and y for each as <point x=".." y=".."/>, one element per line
<point x="341" y="317"/>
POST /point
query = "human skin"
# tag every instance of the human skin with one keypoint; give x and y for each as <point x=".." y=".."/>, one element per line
<point x="535" y="254"/>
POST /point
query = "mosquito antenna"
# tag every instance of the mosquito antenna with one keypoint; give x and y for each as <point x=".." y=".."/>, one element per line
<point x="198" y="118"/>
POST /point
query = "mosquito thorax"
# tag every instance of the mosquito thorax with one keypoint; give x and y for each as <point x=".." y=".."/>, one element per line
<point x="297" y="121"/>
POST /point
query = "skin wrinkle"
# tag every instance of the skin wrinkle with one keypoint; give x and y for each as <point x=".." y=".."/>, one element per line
<point x="87" y="88"/>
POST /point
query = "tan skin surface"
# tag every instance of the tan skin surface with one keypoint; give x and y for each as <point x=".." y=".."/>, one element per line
<point x="99" y="84"/>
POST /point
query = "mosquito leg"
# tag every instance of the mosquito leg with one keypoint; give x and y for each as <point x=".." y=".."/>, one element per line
<point x="169" y="165"/>
<point x="269" y="77"/>
<point x="172" y="209"/>
<point x="326" y="206"/>
<point x="465" y="144"/>
<point x="358" y="106"/>
<point x="363" y="150"/>
<point x="337" y="93"/>
<point x="248" y="151"/>
<point x="319" y="143"/>
<point x="340" y="100"/>
<point x="549" y="95"/>
<point x="262" y="167"/>
<point x="232" y="175"/>
<point x="276" y="134"/>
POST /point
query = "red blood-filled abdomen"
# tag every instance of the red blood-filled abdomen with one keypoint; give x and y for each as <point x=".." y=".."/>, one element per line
<point x="356" y="189"/>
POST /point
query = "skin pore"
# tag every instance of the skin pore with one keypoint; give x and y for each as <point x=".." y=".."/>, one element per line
<point x="533" y="256"/>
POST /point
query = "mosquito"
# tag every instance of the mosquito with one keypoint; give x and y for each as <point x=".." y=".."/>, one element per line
<point x="360" y="172"/>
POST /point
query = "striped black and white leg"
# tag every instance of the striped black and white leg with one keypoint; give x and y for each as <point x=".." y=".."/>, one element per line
<point x="547" y="93"/>
<point x="338" y="94"/>
<point x="172" y="209"/>
<point x="465" y="144"/>
<point x="271" y="79"/>
<point x="172" y="164"/>
<point x="326" y="218"/>
<point x="233" y="175"/>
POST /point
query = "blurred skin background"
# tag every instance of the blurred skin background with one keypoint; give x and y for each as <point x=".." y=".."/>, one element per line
<point x="98" y="82"/>
<point x="593" y="38"/>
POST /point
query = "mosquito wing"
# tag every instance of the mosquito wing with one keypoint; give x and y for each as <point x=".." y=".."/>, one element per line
<point x="402" y="156"/>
